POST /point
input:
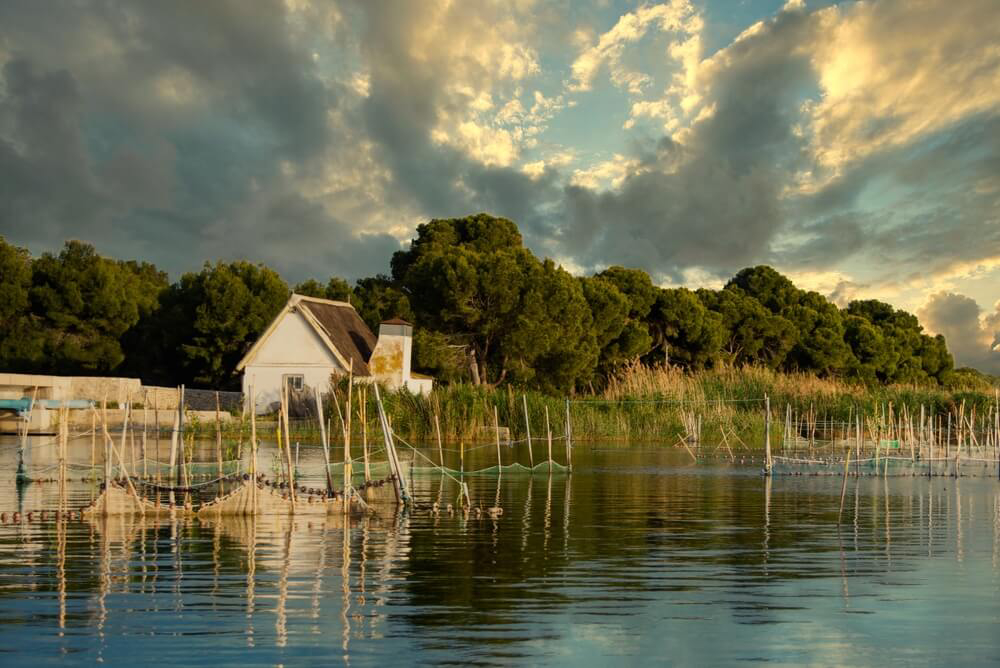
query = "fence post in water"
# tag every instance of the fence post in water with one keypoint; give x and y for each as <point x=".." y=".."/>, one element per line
<point x="767" y="435"/>
<point x="527" y="430"/>
<point x="390" y="448"/>
<point x="288" y="444"/>
<point x="324" y="442"/>
<point x="363" y="412"/>
<point x="218" y="434"/>
<point x="347" y="430"/>
<point x="437" y="431"/>
<point x="145" y="419"/>
<point x="569" y="440"/>
<point x="253" y="447"/>
<point x="93" y="445"/>
<point x="496" y="431"/>
<point x="548" y="436"/>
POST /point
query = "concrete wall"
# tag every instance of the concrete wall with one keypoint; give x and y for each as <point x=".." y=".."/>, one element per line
<point x="115" y="390"/>
<point x="293" y="348"/>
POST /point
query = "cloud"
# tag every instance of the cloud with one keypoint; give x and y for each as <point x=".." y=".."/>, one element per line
<point x="678" y="15"/>
<point x="973" y="337"/>
<point x="161" y="130"/>
<point x="856" y="144"/>
<point x="711" y="201"/>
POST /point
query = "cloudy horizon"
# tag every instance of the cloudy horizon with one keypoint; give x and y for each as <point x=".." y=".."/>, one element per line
<point x="853" y="146"/>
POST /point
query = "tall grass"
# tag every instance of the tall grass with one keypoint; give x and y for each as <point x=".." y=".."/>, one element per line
<point x="643" y="404"/>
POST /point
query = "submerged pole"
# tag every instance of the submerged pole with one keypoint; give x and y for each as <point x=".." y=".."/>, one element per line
<point x="324" y="442"/>
<point x="767" y="435"/>
<point x="527" y="430"/>
<point x="548" y="436"/>
<point x="398" y="482"/>
<point x="496" y="432"/>
<point x="437" y="430"/>
<point x="569" y="439"/>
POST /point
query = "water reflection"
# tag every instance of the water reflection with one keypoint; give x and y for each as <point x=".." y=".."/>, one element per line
<point x="638" y="554"/>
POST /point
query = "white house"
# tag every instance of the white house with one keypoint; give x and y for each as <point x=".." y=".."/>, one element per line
<point x="312" y="339"/>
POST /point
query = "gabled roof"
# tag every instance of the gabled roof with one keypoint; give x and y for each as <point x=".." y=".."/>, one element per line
<point x="396" y="321"/>
<point x="338" y="326"/>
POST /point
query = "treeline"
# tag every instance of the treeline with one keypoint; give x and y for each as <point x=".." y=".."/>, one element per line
<point x="486" y="311"/>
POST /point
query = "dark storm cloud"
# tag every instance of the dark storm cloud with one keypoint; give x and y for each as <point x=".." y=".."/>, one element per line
<point x="146" y="127"/>
<point x="973" y="341"/>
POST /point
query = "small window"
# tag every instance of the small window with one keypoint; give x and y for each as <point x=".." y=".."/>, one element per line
<point x="294" y="382"/>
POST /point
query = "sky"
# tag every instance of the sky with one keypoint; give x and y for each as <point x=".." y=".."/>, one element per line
<point x="853" y="146"/>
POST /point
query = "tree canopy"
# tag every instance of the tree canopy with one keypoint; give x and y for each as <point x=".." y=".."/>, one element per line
<point x="485" y="310"/>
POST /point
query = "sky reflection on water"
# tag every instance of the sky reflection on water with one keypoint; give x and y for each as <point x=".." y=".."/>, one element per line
<point x="637" y="557"/>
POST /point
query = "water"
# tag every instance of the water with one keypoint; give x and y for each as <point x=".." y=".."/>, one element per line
<point x="638" y="557"/>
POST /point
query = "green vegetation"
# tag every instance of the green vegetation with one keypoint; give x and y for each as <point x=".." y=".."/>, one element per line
<point x="487" y="311"/>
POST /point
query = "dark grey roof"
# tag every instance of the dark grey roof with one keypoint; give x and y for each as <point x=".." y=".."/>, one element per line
<point x="345" y="328"/>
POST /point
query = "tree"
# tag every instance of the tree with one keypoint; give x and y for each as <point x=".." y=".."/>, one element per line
<point x="907" y="354"/>
<point x="85" y="304"/>
<point x="215" y="315"/>
<point x="379" y="298"/>
<point x="336" y="289"/>
<point x="471" y="279"/>
<point x="684" y="328"/>
<point x="751" y="333"/>
<point x="634" y="339"/>
<point x="20" y="340"/>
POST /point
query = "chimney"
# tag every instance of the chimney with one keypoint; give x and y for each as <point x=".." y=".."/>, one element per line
<point x="396" y="335"/>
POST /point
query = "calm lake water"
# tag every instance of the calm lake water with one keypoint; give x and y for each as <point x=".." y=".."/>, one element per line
<point x="638" y="557"/>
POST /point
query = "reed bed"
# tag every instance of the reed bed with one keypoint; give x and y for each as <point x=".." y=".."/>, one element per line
<point x="642" y="404"/>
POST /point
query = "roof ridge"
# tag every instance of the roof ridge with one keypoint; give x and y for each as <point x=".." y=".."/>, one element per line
<point x="296" y="298"/>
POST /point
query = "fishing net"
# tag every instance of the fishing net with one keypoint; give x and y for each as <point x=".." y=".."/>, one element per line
<point x="892" y="466"/>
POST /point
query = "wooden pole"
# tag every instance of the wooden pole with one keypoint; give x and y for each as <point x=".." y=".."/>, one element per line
<point x="548" y="436"/>
<point x="569" y="439"/>
<point x="843" y="487"/>
<point x="527" y="430"/>
<point x="145" y="420"/>
<point x="253" y="446"/>
<point x="767" y="435"/>
<point x="288" y="444"/>
<point x="218" y="434"/>
<point x="347" y="428"/>
<point x="399" y="483"/>
<point x="325" y="443"/>
<point x="437" y="430"/>
<point x="363" y="409"/>
<point x="93" y="445"/>
<point x="496" y="432"/>
<point x="107" y="439"/>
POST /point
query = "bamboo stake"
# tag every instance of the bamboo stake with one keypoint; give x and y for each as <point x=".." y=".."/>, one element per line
<point x="347" y="431"/>
<point x="496" y="432"/>
<point x="437" y="431"/>
<point x="768" y="463"/>
<point x="107" y="438"/>
<point x="569" y="438"/>
<point x="548" y="436"/>
<point x="843" y="487"/>
<point x="288" y="443"/>
<point x="218" y="433"/>
<point x="145" y="420"/>
<point x="527" y="430"/>
<point x="325" y="443"/>
<point x="364" y="431"/>
<point x="93" y="445"/>
<point x="253" y="446"/>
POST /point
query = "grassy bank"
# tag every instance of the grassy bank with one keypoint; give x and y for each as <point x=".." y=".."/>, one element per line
<point x="643" y="405"/>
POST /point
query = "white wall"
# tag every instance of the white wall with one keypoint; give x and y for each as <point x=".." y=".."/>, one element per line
<point x="293" y="348"/>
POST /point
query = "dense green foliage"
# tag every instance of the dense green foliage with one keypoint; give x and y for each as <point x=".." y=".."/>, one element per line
<point x="486" y="311"/>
